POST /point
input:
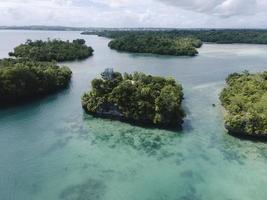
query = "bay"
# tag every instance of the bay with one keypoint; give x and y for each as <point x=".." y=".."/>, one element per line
<point x="50" y="149"/>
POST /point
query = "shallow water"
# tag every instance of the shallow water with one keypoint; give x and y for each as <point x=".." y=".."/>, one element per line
<point x="50" y="149"/>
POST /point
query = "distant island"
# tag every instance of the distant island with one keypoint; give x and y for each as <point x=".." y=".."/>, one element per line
<point x="22" y="80"/>
<point x="222" y="36"/>
<point x="69" y="28"/>
<point x="245" y="102"/>
<point x="156" y="45"/>
<point x="136" y="98"/>
<point x="53" y="50"/>
<point x="43" y="28"/>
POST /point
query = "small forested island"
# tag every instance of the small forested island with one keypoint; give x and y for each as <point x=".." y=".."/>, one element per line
<point x="22" y="80"/>
<point x="177" y="46"/>
<point x="136" y="98"/>
<point x="245" y="102"/>
<point x="53" y="50"/>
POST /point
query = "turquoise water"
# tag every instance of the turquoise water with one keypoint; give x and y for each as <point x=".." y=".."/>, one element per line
<point x="50" y="149"/>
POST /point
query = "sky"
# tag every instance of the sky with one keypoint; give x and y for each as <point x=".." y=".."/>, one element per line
<point x="136" y="13"/>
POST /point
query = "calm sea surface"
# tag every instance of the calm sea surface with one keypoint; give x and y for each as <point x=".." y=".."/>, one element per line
<point x="51" y="150"/>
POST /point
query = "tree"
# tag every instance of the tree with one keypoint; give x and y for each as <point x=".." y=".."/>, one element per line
<point x="245" y="99"/>
<point x="24" y="79"/>
<point x="137" y="98"/>
<point x="149" y="43"/>
<point x="53" y="50"/>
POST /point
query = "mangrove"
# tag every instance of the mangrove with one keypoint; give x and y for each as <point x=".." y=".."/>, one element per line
<point x="136" y="98"/>
<point x="245" y="101"/>
<point x="221" y="36"/>
<point x="23" y="80"/>
<point x="178" y="46"/>
<point x="53" y="50"/>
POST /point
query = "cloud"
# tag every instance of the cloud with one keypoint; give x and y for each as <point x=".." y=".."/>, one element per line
<point x="223" y="8"/>
<point x="236" y="7"/>
<point x="136" y="13"/>
<point x="194" y="5"/>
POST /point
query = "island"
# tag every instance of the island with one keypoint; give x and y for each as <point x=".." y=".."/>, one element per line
<point x="221" y="36"/>
<point x="22" y="80"/>
<point x="245" y="102"/>
<point x="176" y="46"/>
<point x="136" y="98"/>
<point x="44" y="28"/>
<point x="53" y="50"/>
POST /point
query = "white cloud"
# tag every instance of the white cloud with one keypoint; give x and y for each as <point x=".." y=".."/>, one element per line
<point x="136" y="13"/>
<point x="223" y="8"/>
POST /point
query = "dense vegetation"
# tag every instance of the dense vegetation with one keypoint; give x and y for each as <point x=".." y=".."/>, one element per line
<point x="137" y="98"/>
<point x="53" y="50"/>
<point x="249" y="36"/>
<point x="24" y="79"/>
<point x="245" y="100"/>
<point x="156" y="45"/>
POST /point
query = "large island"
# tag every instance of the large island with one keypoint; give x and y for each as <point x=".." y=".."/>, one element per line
<point x="136" y="98"/>
<point x="162" y="45"/>
<point x="245" y="102"/>
<point x="53" y="50"/>
<point x="222" y="36"/>
<point x="22" y="80"/>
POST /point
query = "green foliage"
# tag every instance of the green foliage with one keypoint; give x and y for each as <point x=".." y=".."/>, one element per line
<point x="245" y="100"/>
<point x="137" y="98"/>
<point x="24" y="79"/>
<point x="53" y="50"/>
<point x="156" y="44"/>
<point x="225" y="36"/>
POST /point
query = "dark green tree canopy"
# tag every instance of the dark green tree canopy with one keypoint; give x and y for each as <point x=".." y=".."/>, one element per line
<point x="53" y="50"/>
<point x="24" y="79"/>
<point x="224" y="36"/>
<point x="137" y="98"/>
<point x="156" y="44"/>
<point x="245" y="100"/>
